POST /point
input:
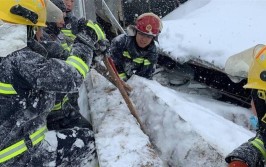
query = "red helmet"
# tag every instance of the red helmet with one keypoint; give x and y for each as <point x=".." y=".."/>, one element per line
<point x="149" y="23"/>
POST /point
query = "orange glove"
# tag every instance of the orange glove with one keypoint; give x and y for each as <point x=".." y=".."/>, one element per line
<point x="237" y="164"/>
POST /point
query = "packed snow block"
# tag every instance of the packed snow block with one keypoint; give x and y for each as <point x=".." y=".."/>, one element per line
<point x="187" y="133"/>
<point x="119" y="139"/>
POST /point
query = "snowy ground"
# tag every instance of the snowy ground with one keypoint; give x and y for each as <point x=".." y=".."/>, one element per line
<point x="189" y="130"/>
<point x="119" y="139"/>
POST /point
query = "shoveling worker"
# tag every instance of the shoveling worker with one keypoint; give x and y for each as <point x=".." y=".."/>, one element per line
<point x="29" y="82"/>
<point x="66" y="112"/>
<point x="135" y="52"/>
<point x="253" y="152"/>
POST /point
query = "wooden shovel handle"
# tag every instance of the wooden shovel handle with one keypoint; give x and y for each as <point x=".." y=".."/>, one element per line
<point x="119" y="85"/>
<point x="127" y="87"/>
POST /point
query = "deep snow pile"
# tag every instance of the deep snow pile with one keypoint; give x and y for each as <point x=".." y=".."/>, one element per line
<point x="186" y="127"/>
<point x="213" y="30"/>
<point x="189" y="130"/>
<point x="119" y="139"/>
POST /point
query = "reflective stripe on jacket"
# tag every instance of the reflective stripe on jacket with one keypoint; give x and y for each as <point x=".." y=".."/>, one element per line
<point x="36" y="81"/>
<point x="7" y="89"/>
<point x="20" y="146"/>
<point x="97" y="29"/>
<point x="79" y="64"/>
<point x="65" y="46"/>
<point x="68" y="33"/>
<point x="58" y="106"/>
<point x="260" y="146"/>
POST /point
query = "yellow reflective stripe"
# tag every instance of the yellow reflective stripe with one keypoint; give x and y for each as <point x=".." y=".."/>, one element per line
<point x="65" y="99"/>
<point x="138" y="60"/>
<point x="260" y="146"/>
<point x="38" y="135"/>
<point x="126" y="54"/>
<point x="146" y="62"/>
<point x="122" y="75"/>
<point x="68" y="33"/>
<point x="65" y="47"/>
<point x="100" y="34"/>
<point x="12" y="151"/>
<point x="7" y="89"/>
<point x="263" y="119"/>
<point x="58" y="106"/>
<point x="79" y="64"/>
<point x="262" y="94"/>
<point x="20" y="147"/>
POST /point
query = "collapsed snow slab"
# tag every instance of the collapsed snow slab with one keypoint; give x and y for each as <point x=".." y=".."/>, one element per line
<point x="119" y="139"/>
<point x="183" y="126"/>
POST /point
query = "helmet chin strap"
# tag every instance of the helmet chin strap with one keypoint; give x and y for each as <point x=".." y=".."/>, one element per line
<point x="12" y="37"/>
<point x="30" y="32"/>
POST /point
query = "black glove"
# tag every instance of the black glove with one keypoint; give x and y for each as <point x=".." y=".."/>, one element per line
<point x="78" y="25"/>
<point x="81" y="27"/>
<point x="55" y="50"/>
<point x="102" y="47"/>
<point x="85" y="39"/>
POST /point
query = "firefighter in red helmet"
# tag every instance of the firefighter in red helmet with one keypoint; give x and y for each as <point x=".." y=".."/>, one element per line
<point x="149" y="23"/>
<point x="135" y="52"/>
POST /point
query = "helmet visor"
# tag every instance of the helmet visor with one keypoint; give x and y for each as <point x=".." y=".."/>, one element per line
<point x="54" y="14"/>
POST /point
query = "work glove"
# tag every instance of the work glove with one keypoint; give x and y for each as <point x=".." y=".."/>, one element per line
<point x="78" y="25"/>
<point x="55" y="50"/>
<point x="81" y="27"/>
<point x="82" y="24"/>
<point x="102" y="47"/>
<point x="85" y="39"/>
